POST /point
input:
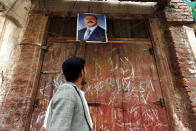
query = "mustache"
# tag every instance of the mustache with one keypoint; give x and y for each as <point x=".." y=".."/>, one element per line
<point x="90" y="22"/>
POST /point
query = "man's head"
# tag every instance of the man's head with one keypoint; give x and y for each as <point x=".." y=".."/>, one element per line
<point x="73" y="68"/>
<point x="90" y="20"/>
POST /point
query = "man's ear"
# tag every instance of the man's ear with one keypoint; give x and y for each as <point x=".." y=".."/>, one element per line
<point x="82" y="73"/>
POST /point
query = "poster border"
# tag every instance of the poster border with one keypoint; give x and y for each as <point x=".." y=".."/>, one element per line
<point x="92" y="41"/>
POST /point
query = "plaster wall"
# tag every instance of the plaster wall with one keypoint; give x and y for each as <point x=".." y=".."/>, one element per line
<point x="19" y="85"/>
<point x="192" y="38"/>
<point x="12" y="26"/>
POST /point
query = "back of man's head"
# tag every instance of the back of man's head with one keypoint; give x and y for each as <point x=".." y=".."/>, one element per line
<point x="72" y="68"/>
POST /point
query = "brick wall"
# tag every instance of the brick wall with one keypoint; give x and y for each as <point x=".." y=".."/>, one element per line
<point x="184" y="65"/>
<point x="178" y="11"/>
<point x="177" y="14"/>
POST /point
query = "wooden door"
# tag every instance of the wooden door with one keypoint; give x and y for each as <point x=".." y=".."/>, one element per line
<point x="122" y="90"/>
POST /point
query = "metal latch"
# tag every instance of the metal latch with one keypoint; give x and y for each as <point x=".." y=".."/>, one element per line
<point x="160" y="102"/>
<point x="151" y="50"/>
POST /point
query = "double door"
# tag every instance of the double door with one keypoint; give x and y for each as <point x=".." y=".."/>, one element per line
<point x="123" y="89"/>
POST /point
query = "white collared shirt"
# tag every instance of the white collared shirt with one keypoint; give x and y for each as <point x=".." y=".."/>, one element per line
<point x="92" y="29"/>
<point x="86" y="105"/>
<point x="46" y="116"/>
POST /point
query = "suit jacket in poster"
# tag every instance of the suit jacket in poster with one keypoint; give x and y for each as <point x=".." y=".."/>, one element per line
<point x="97" y="35"/>
<point x="67" y="111"/>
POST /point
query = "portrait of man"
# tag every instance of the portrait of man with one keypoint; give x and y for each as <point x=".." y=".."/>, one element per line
<point x="91" y="27"/>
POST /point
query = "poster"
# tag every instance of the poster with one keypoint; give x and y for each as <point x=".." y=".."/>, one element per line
<point x="91" y="27"/>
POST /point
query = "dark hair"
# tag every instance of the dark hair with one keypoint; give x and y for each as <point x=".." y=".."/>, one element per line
<point x="72" y="68"/>
<point x="91" y="15"/>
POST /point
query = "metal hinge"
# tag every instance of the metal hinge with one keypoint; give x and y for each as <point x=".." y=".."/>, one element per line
<point x="151" y="51"/>
<point x="44" y="47"/>
<point x="160" y="102"/>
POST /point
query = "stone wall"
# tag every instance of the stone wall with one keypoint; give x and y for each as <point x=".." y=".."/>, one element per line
<point x="178" y="11"/>
<point x="180" y="40"/>
<point x="184" y="64"/>
<point x="12" y="25"/>
<point x="21" y="37"/>
<point x="11" y="34"/>
<point x="20" y="88"/>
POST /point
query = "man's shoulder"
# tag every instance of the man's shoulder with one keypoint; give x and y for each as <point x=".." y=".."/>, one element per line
<point x="65" y="89"/>
<point x="100" y="28"/>
<point x="65" y="92"/>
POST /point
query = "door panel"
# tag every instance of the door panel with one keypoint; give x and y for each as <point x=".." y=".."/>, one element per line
<point x="42" y="99"/>
<point x="56" y="54"/>
<point x="106" y="118"/>
<point x="100" y="75"/>
<point x="51" y="78"/>
<point x="122" y="87"/>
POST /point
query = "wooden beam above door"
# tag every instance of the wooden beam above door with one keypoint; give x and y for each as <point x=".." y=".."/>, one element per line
<point x="117" y="8"/>
<point x="163" y="3"/>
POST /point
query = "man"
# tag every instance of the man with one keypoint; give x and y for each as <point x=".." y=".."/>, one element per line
<point x="68" y="109"/>
<point x="92" y="31"/>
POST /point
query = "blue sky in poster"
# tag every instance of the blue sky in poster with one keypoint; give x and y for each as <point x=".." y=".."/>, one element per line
<point x="101" y="20"/>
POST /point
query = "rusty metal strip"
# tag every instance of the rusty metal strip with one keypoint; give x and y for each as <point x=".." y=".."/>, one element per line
<point x="49" y="72"/>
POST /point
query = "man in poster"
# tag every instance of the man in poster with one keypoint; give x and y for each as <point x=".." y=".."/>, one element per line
<point x="92" y="31"/>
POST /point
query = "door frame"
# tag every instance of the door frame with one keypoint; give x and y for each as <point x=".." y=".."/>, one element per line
<point x="164" y="72"/>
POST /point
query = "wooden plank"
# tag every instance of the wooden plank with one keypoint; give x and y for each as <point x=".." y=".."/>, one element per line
<point x="99" y="73"/>
<point x="102" y="87"/>
<point x="51" y="78"/>
<point x="159" y="44"/>
<point x="43" y="97"/>
<point x="111" y="40"/>
<point x="56" y="54"/>
<point x="115" y="104"/>
<point x="106" y="118"/>
<point x="163" y="3"/>
<point x="141" y="88"/>
<point x="115" y="8"/>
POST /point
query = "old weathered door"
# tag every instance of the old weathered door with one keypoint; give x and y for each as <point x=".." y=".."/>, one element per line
<point x="122" y="90"/>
